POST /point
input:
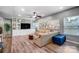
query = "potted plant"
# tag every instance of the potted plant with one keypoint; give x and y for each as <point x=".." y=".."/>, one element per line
<point x="0" y="30"/>
<point x="7" y="27"/>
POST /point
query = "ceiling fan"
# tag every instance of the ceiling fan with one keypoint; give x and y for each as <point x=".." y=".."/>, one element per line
<point x="36" y="16"/>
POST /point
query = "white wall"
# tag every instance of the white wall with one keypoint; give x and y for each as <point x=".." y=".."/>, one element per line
<point x="1" y="21"/>
<point x="49" y="20"/>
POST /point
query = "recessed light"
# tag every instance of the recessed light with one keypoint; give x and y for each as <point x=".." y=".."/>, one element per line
<point x="22" y="9"/>
<point x="61" y="7"/>
<point x="19" y="15"/>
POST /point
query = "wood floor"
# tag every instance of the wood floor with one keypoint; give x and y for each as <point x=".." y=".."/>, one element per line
<point x="7" y="42"/>
<point x="21" y="44"/>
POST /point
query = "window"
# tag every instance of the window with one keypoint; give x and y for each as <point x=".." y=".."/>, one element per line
<point x="71" y="25"/>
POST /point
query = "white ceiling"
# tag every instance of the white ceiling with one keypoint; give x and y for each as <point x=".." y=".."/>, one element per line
<point x="14" y="11"/>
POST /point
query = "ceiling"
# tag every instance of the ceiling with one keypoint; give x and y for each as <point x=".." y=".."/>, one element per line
<point x="27" y="11"/>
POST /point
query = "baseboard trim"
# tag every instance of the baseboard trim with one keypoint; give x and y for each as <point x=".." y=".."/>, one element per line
<point x="73" y="41"/>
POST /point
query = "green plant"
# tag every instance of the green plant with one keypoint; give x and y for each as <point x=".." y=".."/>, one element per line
<point x="0" y="30"/>
<point x="7" y="27"/>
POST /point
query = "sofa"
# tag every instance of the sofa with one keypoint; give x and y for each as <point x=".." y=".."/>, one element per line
<point x="42" y="39"/>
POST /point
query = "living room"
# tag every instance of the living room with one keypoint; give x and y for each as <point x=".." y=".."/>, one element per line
<point x="42" y="29"/>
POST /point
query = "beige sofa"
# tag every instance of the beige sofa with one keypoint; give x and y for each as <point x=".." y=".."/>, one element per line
<point x="42" y="38"/>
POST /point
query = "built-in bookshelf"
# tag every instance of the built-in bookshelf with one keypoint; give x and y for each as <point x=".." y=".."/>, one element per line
<point x="16" y="22"/>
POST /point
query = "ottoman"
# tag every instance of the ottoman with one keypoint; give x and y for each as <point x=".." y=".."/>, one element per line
<point x="59" y="39"/>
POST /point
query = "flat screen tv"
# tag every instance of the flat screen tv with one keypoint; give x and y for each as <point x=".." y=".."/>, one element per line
<point x="25" y="26"/>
